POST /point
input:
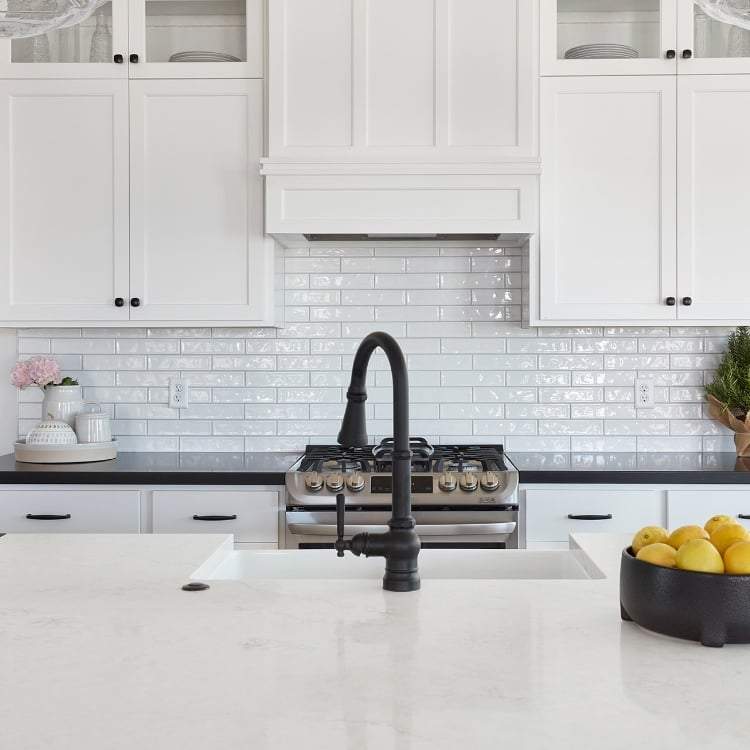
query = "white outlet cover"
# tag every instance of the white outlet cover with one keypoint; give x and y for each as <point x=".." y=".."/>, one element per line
<point x="179" y="393"/>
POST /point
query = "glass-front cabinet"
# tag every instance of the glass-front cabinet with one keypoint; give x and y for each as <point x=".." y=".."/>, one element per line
<point x="632" y="37"/>
<point x="714" y="36"/>
<point x="145" y="39"/>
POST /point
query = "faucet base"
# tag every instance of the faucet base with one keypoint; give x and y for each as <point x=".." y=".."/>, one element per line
<point x="408" y="581"/>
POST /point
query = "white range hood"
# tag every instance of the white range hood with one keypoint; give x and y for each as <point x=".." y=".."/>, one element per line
<point x="364" y="203"/>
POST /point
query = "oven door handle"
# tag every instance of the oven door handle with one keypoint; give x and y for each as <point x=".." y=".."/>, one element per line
<point x="448" y="529"/>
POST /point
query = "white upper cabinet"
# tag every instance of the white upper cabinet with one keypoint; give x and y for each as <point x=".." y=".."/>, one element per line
<point x="707" y="45"/>
<point x="608" y="193"/>
<point x="713" y="164"/>
<point x="197" y="246"/>
<point x="667" y="36"/>
<point x="419" y="81"/>
<point x="646" y="27"/>
<point x="139" y="39"/>
<point x="63" y="200"/>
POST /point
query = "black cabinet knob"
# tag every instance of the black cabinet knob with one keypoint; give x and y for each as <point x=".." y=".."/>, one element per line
<point x="671" y="54"/>
<point x="119" y="301"/>
<point x="133" y="58"/>
<point x="119" y="59"/>
<point x="135" y="302"/>
<point x="671" y="301"/>
<point x="687" y="54"/>
<point x="687" y="301"/>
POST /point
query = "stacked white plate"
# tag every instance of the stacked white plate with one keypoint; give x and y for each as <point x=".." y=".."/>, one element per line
<point x="198" y="56"/>
<point x="600" y="52"/>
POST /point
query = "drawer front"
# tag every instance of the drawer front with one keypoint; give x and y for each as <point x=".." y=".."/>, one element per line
<point x="548" y="511"/>
<point x="250" y="516"/>
<point x="686" y="507"/>
<point x="70" y="511"/>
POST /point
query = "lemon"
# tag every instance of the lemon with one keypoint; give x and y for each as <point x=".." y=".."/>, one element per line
<point x="737" y="559"/>
<point x="684" y="534"/>
<point x="714" y="522"/>
<point x="701" y="556"/>
<point x="658" y="554"/>
<point x="649" y="535"/>
<point x="726" y="535"/>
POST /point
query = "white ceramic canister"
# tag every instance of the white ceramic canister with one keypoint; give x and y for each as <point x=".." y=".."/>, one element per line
<point x="62" y="402"/>
<point x="93" y="426"/>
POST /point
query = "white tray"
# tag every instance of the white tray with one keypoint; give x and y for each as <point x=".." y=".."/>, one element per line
<point x="65" y="454"/>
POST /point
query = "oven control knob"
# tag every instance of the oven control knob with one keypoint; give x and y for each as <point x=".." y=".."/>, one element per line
<point x="489" y="481"/>
<point x="313" y="481"/>
<point x="355" y="482"/>
<point x="468" y="482"/>
<point x="335" y="482"/>
<point x="447" y="482"/>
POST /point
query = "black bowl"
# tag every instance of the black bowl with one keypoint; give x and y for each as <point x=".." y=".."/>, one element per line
<point x="710" y="608"/>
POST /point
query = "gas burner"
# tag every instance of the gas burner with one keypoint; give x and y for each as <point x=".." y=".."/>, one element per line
<point x="421" y="453"/>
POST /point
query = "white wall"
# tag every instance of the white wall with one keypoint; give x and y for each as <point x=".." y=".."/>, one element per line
<point x="7" y="391"/>
<point x="476" y="373"/>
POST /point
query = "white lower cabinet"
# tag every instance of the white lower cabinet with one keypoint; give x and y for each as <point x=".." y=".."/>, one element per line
<point x="687" y="507"/>
<point x="553" y="513"/>
<point x="252" y="516"/>
<point x="64" y="511"/>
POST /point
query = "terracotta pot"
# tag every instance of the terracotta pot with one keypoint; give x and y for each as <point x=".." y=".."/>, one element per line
<point x="742" y="441"/>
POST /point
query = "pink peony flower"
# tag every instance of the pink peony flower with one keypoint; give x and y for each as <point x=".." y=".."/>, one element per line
<point x="19" y="375"/>
<point x="39" y="371"/>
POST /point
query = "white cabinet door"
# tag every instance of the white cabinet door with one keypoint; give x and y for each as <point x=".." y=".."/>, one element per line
<point x="648" y="26"/>
<point x="549" y="511"/>
<point x="608" y="194"/>
<point x="95" y="48"/>
<point x="197" y="246"/>
<point x="423" y="81"/>
<point x="695" y="507"/>
<point x="251" y="516"/>
<point x="63" y="200"/>
<point x="160" y="29"/>
<point x="713" y="164"/>
<point x="708" y="45"/>
<point x="63" y="511"/>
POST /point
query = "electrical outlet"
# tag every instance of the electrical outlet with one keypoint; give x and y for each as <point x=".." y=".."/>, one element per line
<point x="179" y="393"/>
<point x="644" y="393"/>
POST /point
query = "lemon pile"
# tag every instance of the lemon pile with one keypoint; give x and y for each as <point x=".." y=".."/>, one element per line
<point x="721" y="546"/>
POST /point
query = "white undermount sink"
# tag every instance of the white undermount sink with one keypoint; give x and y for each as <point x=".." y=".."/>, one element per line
<point x="241" y="565"/>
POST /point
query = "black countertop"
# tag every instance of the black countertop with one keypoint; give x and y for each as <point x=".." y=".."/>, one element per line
<point x="269" y="469"/>
<point x="156" y="468"/>
<point x="631" y="468"/>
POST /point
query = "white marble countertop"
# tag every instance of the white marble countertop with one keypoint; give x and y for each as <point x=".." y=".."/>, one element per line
<point x="99" y="648"/>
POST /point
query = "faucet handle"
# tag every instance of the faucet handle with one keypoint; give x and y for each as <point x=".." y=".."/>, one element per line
<point x="341" y="545"/>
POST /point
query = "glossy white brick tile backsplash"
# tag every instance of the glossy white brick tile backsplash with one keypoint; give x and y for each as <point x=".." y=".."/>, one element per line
<point x="475" y="372"/>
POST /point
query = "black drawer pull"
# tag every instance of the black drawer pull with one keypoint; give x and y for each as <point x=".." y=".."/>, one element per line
<point x="607" y="517"/>
<point x="743" y="516"/>
<point x="47" y="517"/>
<point x="215" y="518"/>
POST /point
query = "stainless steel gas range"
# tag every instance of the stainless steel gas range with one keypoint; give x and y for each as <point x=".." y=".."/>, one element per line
<point x="463" y="496"/>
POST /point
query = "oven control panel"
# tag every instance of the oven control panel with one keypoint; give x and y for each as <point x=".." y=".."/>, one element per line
<point x="382" y="484"/>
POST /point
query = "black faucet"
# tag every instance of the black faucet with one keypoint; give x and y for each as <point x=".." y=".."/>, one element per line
<point x="400" y="544"/>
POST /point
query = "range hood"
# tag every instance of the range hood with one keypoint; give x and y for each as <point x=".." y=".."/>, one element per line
<point x="365" y="203"/>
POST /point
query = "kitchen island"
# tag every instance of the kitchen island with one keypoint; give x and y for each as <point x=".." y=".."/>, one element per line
<point x="100" y="648"/>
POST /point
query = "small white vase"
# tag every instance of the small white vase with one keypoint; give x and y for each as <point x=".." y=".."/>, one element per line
<point x="62" y="402"/>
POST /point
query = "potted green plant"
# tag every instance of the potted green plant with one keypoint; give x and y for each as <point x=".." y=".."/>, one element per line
<point x="729" y="393"/>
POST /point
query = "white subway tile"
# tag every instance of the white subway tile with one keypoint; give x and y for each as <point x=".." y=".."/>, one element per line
<point x="212" y="444"/>
<point x="342" y="281"/>
<point x="605" y="346"/>
<point x="104" y="362"/>
<point x="473" y="378"/>
<point x="570" y="395"/>
<point x="670" y="444"/>
<point x="243" y="395"/>
<point x="408" y="313"/>
<point x="571" y="427"/>
<point x="505" y="361"/>
<point x="169" y="362"/>
<point x="636" y="427"/>
<point x="407" y="281"/>
<point x="432" y="265"/>
<point x="374" y="265"/>
<point x="473" y="281"/>
<point x="539" y="346"/>
<point x="244" y="363"/>
<point x="166" y="427"/>
<point x="312" y="265"/>
<point x="254" y="427"/>
<point x="506" y="395"/>
<point x="34" y="346"/>
<point x="214" y="346"/>
<point x="602" y="444"/>
<point x="538" y="378"/>
<point x="83" y="346"/>
<point x="473" y="346"/>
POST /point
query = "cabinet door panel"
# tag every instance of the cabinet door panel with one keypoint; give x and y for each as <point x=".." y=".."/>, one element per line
<point x="250" y="516"/>
<point x="197" y="250"/>
<point x="63" y="200"/>
<point x="713" y="164"/>
<point x="70" y="511"/>
<point x="608" y="199"/>
<point x="691" y="507"/>
<point x="547" y="511"/>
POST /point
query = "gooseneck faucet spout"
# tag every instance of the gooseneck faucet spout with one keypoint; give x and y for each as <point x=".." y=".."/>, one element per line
<point x="400" y="544"/>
